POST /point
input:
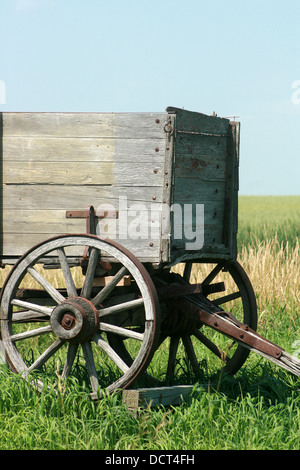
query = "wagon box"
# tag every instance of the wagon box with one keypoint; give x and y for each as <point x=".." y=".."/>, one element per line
<point x="170" y="180"/>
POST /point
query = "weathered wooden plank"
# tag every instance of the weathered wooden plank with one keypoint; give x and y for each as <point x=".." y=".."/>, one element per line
<point x="193" y="122"/>
<point x="201" y="166"/>
<point x="87" y="173"/>
<point x="70" y="198"/>
<point x="56" y="149"/>
<point x="154" y="396"/>
<point x="200" y="156"/>
<point x="188" y="190"/>
<point x="139" y="223"/>
<point x="40" y="221"/>
<point x="15" y="244"/>
<point x="130" y="125"/>
<point x="198" y="144"/>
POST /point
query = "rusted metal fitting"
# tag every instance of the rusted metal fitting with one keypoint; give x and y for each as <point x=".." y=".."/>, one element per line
<point x="68" y="321"/>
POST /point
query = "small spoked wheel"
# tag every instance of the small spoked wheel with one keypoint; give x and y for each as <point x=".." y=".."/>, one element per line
<point x="226" y="287"/>
<point x="68" y="325"/>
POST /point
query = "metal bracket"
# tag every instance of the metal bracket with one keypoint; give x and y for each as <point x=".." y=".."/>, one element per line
<point x="90" y="215"/>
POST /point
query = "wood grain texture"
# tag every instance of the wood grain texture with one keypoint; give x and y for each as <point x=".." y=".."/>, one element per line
<point x="54" y="162"/>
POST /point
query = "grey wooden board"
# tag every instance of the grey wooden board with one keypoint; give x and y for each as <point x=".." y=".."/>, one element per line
<point x="194" y="122"/>
<point x="154" y="396"/>
<point x="110" y="125"/>
<point x="74" y="198"/>
<point x="77" y="173"/>
<point x="40" y="148"/>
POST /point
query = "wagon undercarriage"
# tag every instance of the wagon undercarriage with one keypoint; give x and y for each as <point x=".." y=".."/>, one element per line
<point x="110" y="334"/>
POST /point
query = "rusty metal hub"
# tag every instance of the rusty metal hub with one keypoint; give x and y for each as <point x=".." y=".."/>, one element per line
<point x="75" y="319"/>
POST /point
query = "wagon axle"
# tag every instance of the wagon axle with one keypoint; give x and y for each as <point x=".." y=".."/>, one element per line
<point x="68" y="321"/>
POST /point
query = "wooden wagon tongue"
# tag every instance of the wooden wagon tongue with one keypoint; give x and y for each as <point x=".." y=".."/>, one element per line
<point x="227" y="324"/>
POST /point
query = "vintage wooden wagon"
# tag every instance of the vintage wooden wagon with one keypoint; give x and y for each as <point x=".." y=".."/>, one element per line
<point x="121" y="233"/>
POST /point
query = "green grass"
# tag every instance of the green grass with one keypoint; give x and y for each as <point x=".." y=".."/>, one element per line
<point x="258" y="409"/>
<point x="261" y="217"/>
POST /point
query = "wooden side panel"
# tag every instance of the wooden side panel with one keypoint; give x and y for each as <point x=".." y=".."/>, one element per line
<point x="203" y="176"/>
<point x="54" y="162"/>
<point x="232" y="188"/>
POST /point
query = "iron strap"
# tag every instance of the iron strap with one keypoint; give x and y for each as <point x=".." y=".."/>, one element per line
<point x="233" y="329"/>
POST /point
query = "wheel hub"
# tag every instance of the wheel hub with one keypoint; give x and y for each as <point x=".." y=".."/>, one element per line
<point x="76" y="319"/>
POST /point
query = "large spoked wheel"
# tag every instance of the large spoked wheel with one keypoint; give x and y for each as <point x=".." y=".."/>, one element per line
<point x="198" y="343"/>
<point x="65" y="328"/>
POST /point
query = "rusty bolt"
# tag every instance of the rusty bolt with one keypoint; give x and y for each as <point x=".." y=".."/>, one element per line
<point x="157" y="121"/>
<point x="68" y="321"/>
<point x="156" y="149"/>
<point x="151" y="244"/>
<point x="154" y="198"/>
<point x="155" y="171"/>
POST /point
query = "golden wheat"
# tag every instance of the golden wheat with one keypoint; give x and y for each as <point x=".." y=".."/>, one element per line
<point x="274" y="272"/>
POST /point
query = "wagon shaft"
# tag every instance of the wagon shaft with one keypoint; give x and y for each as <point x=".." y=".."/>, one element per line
<point x="225" y="323"/>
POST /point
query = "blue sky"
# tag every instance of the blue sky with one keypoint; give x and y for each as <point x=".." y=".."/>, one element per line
<point x="237" y="58"/>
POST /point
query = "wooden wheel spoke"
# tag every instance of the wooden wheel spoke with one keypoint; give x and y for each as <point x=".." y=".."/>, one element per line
<point x="31" y="333"/>
<point x="71" y="289"/>
<point x="211" y="276"/>
<point x="121" y="307"/>
<point x="90" y="363"/>
<point x="211" y="346"/>
<point x="189" y="349"/>
<point x="110" y="352"/>
<point x="174" y="343"/>
<point x="121" y="331"/>
<point x="109" y="287"/>
<point x="90" y="273"/>
<point x="187" y="271"/>
<point x="32" y="307"/>
<point x="227" y="298"/>
<point x="72" y="351"/>
<point x="57" y="296"/>
<point x="28" y="316"/>
<point x="47" y="354"/>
